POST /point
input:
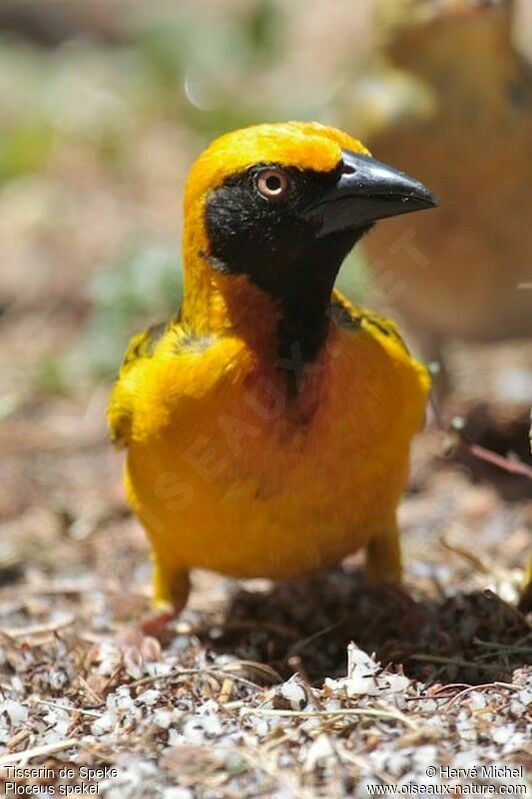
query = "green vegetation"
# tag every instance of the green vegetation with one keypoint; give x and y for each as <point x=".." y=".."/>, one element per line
<point x="92" y="106"/>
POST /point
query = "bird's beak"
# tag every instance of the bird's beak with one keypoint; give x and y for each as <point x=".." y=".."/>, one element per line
<point x="367" y="190"/>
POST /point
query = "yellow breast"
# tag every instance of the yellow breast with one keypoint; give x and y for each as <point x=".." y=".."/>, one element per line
<point x="230" y="470"/>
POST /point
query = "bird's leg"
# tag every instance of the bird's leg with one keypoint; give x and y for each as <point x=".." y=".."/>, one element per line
<point x="171" y="587"/>
<point x="383" y="556"/>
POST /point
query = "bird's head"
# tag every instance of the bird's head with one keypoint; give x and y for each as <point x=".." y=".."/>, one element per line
<point x="283" y="204"/>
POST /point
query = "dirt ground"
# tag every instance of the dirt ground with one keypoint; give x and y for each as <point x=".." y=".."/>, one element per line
<point x="249" y="693"/>
<point x="322" y="687"/>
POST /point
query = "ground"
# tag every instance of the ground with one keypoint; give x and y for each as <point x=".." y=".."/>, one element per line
<point x="322" y="687"/>
<point x="251" y="692"/>
<point x="256" y="690"/>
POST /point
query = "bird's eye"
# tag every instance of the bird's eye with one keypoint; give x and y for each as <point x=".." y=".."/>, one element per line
<point x="272" y="184"/>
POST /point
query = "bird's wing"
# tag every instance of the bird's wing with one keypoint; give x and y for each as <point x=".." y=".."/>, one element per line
<point x="349" y="315"/>
<point x="140" y="347"/>
<point x="164" y="369"/>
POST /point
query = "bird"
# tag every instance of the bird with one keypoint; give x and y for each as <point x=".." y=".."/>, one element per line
<point x="268" y="424"/>
<point x="460" y="275"/>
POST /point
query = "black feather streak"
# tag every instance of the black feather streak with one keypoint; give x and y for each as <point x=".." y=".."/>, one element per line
<point x="272" y="243"/>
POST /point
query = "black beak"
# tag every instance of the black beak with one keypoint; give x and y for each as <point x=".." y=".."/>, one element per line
<point x="367" y="190"/>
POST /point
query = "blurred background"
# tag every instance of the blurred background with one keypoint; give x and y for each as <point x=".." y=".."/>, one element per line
<point x="103" y="106"/>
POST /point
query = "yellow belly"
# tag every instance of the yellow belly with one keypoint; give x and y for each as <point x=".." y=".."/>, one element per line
<point x="248" y="481"/>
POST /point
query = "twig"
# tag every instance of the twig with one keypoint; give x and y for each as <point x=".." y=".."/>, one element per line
<point x="234" y="704"/>
<point x="488" y="456"/>
<point x="261" y="668"/>
<point x="177" y="673"/>
<point x="448" y="661"/>
<point x="388" y="708"/>
<point x="39" y="629"/>
<point x="112" y="677"/>
<point x="19" y="737"/>
<point x="86" y="687"/>
<point x="471" y="557"/>
<point x="436" y="693"/>
<point x="501" y="686"/>
<point x="226" y="690"/>
<point x="346" y="711"/>
<point x="480" y="453"/>
<point x="292" y="733"/>
<point x="68" y="588"/>
<point x="444" y="693"/>
<point x="504" y="647"/>
<point x="69" y="709"/>
<point x="40" y="751"/>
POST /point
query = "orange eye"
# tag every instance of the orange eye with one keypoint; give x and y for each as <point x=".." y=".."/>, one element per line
<point x="272" y="183"/>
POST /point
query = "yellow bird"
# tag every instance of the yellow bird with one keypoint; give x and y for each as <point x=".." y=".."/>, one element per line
<point x="268" y="424"/>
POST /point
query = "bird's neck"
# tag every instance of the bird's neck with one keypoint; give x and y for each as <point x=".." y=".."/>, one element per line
<point x="286" y="323"/>
<point x="215" y="303"/>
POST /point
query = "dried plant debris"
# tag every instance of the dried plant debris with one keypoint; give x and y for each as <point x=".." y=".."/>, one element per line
<point x="257" y="690"/>
<point x="236" y="708"/>
<point x="468" y="637"/>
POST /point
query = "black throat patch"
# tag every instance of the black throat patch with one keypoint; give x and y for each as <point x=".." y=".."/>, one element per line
<point x="277" y="248"/>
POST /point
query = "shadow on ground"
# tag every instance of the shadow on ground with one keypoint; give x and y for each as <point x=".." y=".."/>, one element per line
<point x="474" y="638"/>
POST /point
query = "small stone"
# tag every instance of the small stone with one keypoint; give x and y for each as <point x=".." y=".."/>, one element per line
<point x="163" y="719"/>
<point x="148" y="697"/>
<point x="362" y="685"/>
<point x="294" y="693"/>
<point x="396" y="682"/>
<point x="397" y="763"/>
<point x="15" y="710"/>
<point x="319" y="751"/>
<point x="177" y="793"/>
<point x="504" y="734"/>
<point x="104" y="724"/>
<point x="477" y="700"/>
